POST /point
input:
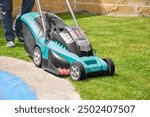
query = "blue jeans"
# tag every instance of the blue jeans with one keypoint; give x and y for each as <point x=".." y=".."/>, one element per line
<point x="6" y="13"/>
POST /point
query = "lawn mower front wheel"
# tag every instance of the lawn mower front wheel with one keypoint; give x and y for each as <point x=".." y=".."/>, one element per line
<point x="111" y="66"/>
<point x="37" y="56"/>
<point x="77" y="71"/>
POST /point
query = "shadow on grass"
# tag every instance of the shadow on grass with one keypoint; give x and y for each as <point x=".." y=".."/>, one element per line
<point x="101" y="77"/>
<point x="81" y="14"/>
<point x="20" y="44"/>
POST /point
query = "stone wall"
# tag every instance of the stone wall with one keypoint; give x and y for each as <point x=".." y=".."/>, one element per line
<point x="56" y="6"/>
<point x="106" y="7"/>
<point x="116" y="7"/>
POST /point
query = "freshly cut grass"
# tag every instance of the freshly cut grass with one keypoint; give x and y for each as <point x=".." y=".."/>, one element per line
<point x="125" y="40"/>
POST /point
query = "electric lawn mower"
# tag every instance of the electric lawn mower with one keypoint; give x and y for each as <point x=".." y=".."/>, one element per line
<point x="61" y="49"/>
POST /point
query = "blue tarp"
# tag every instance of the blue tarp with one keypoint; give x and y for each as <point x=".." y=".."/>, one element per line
<point x="13" y="88"/>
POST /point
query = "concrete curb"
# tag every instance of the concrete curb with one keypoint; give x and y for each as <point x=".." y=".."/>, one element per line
<point x="45" y="85"/>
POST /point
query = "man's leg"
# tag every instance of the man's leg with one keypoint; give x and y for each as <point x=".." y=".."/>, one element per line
<point x="27" y="7"/>
<point x="6" y="13"/>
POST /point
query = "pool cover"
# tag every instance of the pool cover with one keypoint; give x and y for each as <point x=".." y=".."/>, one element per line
<point x="13" y="88"/>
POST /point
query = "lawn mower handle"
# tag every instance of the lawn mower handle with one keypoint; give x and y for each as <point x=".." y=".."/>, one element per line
<point x="71" y="11"/>
<point x="38" y="5"/>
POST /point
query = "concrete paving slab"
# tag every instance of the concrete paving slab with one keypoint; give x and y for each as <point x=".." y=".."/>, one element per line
<point x="45" y="85"/>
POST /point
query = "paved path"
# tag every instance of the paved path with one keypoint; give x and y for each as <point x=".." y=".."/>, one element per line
<point x="45" y="85"/>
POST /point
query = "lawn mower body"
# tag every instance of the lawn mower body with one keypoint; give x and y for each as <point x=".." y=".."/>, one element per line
<point x="63" y="49"/>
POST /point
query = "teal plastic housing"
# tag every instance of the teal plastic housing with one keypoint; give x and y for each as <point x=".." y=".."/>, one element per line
<point x="91" y="64"/>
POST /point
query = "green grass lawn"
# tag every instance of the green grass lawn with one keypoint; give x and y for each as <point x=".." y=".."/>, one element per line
<point x="125" y="40"/>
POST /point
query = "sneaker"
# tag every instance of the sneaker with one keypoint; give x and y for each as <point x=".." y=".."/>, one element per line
<point x="10" y="44"/>
<point x="20" y="36"/>
<point x="20" y="39"/>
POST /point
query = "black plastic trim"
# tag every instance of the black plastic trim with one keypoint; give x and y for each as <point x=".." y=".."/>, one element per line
<point x="29" y="41"/>
<point x="58" y="61"/>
